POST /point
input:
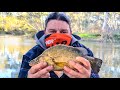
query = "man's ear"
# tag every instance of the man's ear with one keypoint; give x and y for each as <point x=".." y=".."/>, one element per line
<point x="70" y="31"/>
<point x="45" y="31"/>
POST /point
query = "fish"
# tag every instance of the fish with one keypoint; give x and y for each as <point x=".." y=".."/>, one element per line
<point x="59" y="56"/>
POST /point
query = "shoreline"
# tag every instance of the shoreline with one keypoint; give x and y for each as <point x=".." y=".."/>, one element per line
<point x="82" y="39"/>
<point x="8" y="35"/>
<point x="100" y="41"/>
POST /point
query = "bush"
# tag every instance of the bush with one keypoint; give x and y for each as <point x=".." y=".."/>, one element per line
<point x="116" y="36"/>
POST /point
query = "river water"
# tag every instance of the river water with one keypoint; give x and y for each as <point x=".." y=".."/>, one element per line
<point x="12" y="49"/>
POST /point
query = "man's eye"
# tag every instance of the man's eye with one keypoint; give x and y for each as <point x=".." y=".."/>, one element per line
<point x="64" y="32"/>
<point x="52" y="31"/>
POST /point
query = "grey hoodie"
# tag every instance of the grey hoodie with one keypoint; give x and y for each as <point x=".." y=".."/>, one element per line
<point x="40" y="41"/>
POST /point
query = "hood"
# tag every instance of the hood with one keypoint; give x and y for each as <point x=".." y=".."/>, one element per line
<point x="40" y="37"/>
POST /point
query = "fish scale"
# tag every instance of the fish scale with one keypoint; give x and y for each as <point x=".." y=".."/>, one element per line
<point x="59" y="55"/>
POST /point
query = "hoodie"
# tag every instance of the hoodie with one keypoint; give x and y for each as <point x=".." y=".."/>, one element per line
<point x="40" y="40"/>
<point x="40" y="37"/>
<point x="40" y="47"/>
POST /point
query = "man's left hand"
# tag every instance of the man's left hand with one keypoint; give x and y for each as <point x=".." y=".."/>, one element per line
<point x="82" y="71"/>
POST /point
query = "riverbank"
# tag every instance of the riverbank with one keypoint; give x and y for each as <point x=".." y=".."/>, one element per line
<point x="84" y="37"/>
<point x="23" y="36"/>
<point x="90" y="37"/>
<point x="29" y="34"/>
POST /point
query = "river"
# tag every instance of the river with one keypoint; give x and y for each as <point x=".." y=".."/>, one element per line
<point x="12" y="48"/>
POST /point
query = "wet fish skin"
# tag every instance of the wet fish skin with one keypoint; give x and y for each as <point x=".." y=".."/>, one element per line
<point x="59" y="55"/>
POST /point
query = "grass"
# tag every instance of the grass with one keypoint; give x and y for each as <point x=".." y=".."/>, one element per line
<point x="91" y="36"/>
<point x="88" y="35"/>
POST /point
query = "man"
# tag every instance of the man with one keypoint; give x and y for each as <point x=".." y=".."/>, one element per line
<point x="58" y="25"/>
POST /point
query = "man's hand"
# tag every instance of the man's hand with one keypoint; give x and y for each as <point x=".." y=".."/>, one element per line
<point x="40" y="70"/>
<point x="82" y="71"/>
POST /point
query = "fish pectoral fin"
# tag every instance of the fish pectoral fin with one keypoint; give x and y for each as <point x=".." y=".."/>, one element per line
<point x="60" y="64"/>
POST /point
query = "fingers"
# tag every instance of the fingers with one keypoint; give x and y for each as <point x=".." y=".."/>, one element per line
<point x="40" y="70"/>
<point x="71" y="73"/>
<point x="78" y="67"/>
<point x="66" y="71"/>
<point x="43" y="72"/>
<point x="37" y="67"/>
<point x="46" y="75"/>
<point x="85" y="62"/>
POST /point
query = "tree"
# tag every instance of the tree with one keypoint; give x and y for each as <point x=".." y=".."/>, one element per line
<point x="106" y="29"/>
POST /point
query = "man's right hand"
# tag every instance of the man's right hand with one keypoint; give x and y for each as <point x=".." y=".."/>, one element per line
<point x="40" y="70"/>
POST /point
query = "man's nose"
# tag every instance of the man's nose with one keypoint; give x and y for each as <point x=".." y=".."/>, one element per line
<point x="58" y="32"/>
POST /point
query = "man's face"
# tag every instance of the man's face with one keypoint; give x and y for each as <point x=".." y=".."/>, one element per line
<point x="57" y="26"/>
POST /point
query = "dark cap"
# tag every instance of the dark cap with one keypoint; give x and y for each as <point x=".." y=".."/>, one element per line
<point x="58" y="16"/>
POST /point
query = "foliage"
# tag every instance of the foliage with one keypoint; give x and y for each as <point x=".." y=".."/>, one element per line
<point x="28" y="23"/>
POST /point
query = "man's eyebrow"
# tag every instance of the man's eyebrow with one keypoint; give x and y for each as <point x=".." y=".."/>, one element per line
<point x="64" y="29"/>
<point x="52" y="29"/>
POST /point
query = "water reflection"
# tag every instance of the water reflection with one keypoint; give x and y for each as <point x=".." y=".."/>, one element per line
<point x="11" y="52"/>
<point x="109" y="53"/>
<point x="12" y="49"/>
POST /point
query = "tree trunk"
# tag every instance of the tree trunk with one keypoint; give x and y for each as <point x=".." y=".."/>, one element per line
<point x="105" y="23"/>
<point x="106" y="30"/>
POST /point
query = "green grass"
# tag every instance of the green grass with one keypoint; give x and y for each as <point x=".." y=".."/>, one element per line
<point x="88" y="35"/>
